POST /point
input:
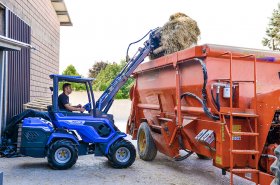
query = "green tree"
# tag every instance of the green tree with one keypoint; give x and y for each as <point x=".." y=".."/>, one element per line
<point x="107" y="75"/>
<point x="96" y="68"/>
<point x="272" y="39"/>
<point x="71" y="71"/>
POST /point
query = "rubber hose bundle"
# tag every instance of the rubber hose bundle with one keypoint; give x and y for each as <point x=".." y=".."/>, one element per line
<point x="203" y="101"/>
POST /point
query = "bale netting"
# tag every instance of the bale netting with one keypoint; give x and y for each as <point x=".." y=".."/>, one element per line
<point x="179" y="33"/>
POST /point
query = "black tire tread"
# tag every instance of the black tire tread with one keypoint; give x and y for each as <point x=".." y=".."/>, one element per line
<point x="202" y="157"/>
<point x="275" y="167"/>
<point x="52" y="149"/>
<point x="121" y="143"/>
<point x="150" y="153"/>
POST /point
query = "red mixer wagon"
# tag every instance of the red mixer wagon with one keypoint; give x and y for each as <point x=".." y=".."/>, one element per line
<point x="219" y="102"/>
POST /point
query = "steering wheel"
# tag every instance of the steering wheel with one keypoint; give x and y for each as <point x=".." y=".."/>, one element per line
<point x="87" y="106"/>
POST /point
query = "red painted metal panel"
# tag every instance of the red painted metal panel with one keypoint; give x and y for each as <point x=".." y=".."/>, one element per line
<point x="159" y="84"/>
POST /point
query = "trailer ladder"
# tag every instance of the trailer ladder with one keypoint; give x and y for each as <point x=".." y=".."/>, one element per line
<point x="251" y="116"/>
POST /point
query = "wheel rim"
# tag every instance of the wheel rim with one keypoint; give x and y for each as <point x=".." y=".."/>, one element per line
<point x="142" y="141"/>
<point x="62" y="155"/>
<point x="122" y="154"/>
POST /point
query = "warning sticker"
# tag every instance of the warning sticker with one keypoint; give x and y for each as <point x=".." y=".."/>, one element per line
<point x="248" y="175"/>
<point x="219" y="160"/>
<point x="223" y="132"/>
<point x="236" y="128"/>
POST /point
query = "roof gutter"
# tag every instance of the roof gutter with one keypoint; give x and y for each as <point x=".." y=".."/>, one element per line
<point x="62" y="12"/>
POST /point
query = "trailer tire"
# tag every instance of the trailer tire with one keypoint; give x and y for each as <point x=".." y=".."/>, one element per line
<point x="202" y="157"/>
<point x="146" y="147"/>
<point x="275" y="167"/>
<point x="121" y="154"/>
<point x="58" y="161"/>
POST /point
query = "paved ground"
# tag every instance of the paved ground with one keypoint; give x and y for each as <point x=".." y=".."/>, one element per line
<point x="95" y="170"/>
<point x="90" y="170"/>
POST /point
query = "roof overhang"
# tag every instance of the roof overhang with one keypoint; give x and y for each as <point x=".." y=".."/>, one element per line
<point x="62" y="13"/>
<point x="7" y="44"/>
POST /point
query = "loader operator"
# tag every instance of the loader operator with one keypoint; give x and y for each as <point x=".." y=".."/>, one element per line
<point x="63" y="100"/>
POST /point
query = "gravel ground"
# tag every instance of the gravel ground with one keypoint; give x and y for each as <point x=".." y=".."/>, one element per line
<point x="95" y="170"/>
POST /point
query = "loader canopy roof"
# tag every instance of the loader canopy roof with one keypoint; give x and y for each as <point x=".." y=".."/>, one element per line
<point x="67" y="78"/>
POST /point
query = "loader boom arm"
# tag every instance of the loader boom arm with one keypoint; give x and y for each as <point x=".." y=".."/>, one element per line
<point x="107" y="98"/>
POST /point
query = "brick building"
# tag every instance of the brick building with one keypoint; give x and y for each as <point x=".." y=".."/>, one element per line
<point x="26" y="72"/>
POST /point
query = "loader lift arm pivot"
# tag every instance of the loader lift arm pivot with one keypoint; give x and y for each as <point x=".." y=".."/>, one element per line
<point x="107" y="98"/>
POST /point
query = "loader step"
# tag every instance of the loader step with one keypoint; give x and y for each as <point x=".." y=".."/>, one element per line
<point x="245" y="170"/>
<point x="246" y="115"/>
<point x="245" y="81"/>
<point x="245" y="133"/>
<point x="239" y="112"/>
<point x="245" y="152"/>
<point x="236" y="81"/>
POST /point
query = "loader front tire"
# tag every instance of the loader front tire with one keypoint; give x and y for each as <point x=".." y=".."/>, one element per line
<point x="121" y="154"/>
<point x="146" y="147"/>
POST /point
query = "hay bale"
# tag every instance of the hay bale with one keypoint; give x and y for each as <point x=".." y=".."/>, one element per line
<point x="179" y="33"/>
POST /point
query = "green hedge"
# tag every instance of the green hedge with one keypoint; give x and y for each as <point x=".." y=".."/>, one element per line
<point x="71" y="71"/>
<point x="103" y="79"/>
<point x="107" y="75"/>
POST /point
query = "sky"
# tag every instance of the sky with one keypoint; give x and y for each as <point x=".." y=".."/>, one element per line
<point x="103" y="29"/>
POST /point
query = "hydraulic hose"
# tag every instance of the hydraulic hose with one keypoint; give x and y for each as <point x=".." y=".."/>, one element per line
<point x="205" y="108"/>
<point x="218" y="100"/>
<point x="182" y="145"/>
<point x="127" y="57"/>
<point x="214" y="100"/>
<point x="203" y="101"/>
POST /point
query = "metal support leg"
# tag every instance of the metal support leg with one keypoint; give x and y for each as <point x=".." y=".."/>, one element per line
<point x="2" y="77"/>
<point x="1" y="178"/>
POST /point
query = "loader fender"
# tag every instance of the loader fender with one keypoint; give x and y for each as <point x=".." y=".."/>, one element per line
<point x="117" y="136"/>
<point x="55" y="136"/>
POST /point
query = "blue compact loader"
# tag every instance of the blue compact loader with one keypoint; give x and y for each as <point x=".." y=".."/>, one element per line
<point x="62" y="136"/>
<point x="68" y="134"/>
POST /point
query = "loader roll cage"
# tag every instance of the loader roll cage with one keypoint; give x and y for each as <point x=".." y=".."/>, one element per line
<point x="76" y="79"/>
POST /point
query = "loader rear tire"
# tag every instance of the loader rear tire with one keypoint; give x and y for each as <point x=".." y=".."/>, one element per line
<point x="275" y="167"/>
<point x="62" y="154"/>
<point x="146" y="147"/>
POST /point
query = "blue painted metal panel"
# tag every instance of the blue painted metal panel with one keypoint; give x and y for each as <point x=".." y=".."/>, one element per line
<point x="117" y="136"/>
<point x="62" y="136"/>
<point x="38" y="123"/>
<point x="88" y="133"/>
